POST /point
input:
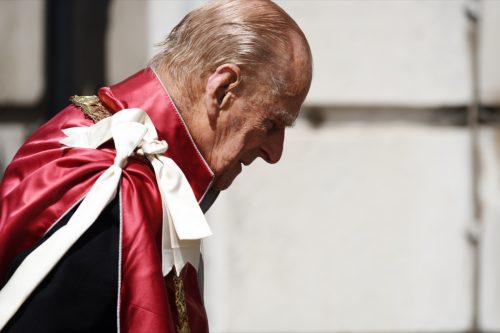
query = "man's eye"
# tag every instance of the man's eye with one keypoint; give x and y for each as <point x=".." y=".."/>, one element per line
<point x="270" y="126"/>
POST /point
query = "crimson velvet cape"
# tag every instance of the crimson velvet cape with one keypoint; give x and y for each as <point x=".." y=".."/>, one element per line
<point x="45" y="182"/>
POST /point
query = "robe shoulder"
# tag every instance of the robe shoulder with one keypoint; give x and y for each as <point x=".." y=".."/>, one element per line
<point x="45" y="180"/>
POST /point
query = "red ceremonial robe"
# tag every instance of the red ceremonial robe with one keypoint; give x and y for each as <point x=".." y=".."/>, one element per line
<point x="45" y="180"/>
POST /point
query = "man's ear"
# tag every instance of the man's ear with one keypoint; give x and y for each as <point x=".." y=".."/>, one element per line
<point x="219" y="90"/>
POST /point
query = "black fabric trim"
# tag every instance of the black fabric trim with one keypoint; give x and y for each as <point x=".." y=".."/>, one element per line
<point x="205" y="205"/>
<point x="80" y="293"/>
<point x="208" y="200"/>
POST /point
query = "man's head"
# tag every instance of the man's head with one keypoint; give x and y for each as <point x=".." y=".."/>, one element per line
<point x="239" y="72"/>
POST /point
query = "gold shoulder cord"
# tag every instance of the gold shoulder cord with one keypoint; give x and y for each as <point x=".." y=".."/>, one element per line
<point x="180" y="304"/>
<point x="91" y="106"/>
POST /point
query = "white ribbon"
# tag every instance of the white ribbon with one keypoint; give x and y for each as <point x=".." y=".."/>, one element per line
<point x="183" y="227"/>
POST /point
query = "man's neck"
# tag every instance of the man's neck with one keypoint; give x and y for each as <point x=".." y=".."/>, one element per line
<point x="196" y="124"/>
<point x="176" y="95"/>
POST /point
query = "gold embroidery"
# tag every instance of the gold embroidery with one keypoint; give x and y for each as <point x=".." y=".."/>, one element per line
<point x="180" y="304"/>
<point x="91" y="106"/>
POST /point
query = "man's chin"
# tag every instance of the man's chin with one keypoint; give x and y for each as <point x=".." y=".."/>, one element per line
<point x="223" y="182"/>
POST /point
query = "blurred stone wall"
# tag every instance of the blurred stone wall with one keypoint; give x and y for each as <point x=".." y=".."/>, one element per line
<point x="21" y="71"/>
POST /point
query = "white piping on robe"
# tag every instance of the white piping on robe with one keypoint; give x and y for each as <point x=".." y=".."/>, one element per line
<point x="183" y="227"/>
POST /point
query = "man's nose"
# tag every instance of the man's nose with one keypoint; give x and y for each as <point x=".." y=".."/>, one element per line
<point x="273" y="147"/>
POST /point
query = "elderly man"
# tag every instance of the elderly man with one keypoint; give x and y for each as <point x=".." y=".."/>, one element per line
<point x="102" y="208"/>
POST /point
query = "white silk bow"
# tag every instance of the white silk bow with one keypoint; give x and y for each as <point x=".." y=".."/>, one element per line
<point x="183" y="226"/>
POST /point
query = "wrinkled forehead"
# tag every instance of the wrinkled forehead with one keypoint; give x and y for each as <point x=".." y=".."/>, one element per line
<point x="299" y="67"/>
<point x="295" y="74"/>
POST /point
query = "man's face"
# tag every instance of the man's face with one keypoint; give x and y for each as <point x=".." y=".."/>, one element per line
<point x="246" y="125"/>
<point x="249" y="130"/>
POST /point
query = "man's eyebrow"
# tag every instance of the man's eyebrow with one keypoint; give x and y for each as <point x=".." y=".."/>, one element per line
<point x="284" y="118"/>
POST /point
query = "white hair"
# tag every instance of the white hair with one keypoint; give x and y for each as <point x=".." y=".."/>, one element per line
<point x="253" y="34"/>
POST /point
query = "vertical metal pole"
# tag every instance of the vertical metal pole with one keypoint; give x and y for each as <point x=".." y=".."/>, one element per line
<point x="473" y="18"/>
